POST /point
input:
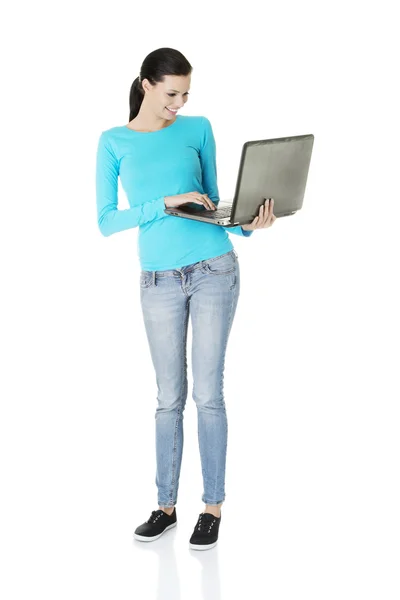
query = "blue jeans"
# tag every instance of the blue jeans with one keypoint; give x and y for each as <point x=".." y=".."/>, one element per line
<point x="207" y="290"/>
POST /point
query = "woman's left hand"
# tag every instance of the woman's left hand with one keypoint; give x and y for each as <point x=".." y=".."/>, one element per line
<point x="265" y="219"/>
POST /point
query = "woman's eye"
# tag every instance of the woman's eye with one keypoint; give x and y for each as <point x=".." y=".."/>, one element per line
<point x="187" y="94"/>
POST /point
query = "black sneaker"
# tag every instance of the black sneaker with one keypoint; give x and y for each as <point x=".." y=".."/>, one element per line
<point x="205" y="534"/>
<point x="158" y="522"/>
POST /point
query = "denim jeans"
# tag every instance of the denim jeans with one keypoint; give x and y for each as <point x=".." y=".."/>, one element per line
<point x="207" y="290"/>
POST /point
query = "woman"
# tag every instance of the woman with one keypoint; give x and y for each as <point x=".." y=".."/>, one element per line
<point x="165" y="159"/>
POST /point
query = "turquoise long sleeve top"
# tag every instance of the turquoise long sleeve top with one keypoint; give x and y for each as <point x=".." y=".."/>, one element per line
<point x="177" y="159"/>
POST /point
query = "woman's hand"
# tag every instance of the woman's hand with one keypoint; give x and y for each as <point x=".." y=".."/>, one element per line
<point x="196" y="197"/>
<point x="265" y="219"/>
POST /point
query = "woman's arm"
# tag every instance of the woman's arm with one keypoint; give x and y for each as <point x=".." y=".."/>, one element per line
<point x="110" y="219"/>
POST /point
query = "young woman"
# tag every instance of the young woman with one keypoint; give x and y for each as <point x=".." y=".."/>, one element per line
<point x="188" y="267"/>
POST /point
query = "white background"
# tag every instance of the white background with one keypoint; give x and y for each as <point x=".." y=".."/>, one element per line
<point x="311" y="378"/>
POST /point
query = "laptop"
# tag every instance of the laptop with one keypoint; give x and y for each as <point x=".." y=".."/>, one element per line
<point x="275" y="168"/>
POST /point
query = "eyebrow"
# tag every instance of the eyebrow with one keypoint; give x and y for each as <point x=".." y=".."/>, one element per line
<point x="175" y="91"/>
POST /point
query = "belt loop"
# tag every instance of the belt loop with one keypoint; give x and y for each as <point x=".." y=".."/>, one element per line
<point x="154" y="278"/>
<point x="235" y="252"/>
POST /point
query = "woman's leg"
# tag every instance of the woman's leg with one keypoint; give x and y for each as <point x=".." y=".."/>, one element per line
<point x="213" y="303"/>
<point x="165" y="312"/>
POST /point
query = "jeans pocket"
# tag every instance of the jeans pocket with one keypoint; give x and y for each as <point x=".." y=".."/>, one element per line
<point x="221" y="265"/>
<point x="146" y="278"/>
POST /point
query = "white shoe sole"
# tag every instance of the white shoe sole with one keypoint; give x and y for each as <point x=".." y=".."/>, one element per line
<point x="145" y="538"/>
<point x="202" y="546"/>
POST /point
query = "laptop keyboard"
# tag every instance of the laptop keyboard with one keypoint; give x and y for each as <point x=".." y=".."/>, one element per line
<point x="219" y="212"/>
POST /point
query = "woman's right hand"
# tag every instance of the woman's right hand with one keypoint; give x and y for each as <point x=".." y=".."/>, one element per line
<point x="196" y="197"/>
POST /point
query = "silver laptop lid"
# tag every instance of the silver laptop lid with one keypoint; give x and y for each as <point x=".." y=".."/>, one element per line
<point x="275" y="168"/>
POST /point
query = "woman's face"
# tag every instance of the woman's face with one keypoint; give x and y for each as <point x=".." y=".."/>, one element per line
<point x="172" y="94"/>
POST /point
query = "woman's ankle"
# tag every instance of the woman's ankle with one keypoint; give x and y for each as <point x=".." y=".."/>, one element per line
<point x="168" y="509"/>
<point x="213" y="509"/>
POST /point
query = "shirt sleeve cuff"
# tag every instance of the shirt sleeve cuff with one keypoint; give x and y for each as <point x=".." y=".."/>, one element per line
<point x="246" y="233"/>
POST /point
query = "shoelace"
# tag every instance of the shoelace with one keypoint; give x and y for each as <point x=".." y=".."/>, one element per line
<point x="154" y="516"/>
<point x="205" y="523"/>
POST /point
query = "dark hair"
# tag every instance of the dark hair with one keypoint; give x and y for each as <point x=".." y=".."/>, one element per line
<point x="156" y="65"/>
